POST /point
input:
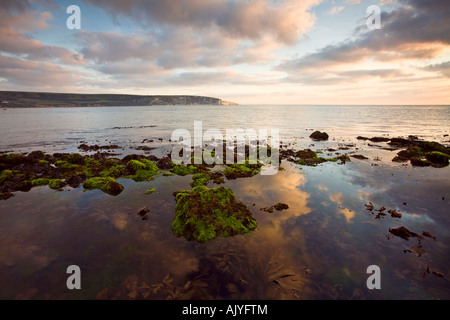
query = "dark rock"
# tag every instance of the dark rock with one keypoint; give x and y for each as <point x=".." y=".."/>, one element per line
<point x="319" y="136"/>
<point x="75" y="158"/>
<point x="400" y="142"/>
<point x="359" y="156"/>
<point x="417" y="162"/>
<point x="145" y="148"/>
<point x="438" y="158"/>
<point x="36" y="155"/>
<point x="164" y="163"/>
<point x="132" y="157"/>
<point x="75" y="181"/>
<point x="24" y="186"/>
<point x="362" y="138"/>
<point x="6" y="195"/>
<point x="379" y="139"/>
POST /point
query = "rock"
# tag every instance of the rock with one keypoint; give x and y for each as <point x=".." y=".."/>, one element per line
<point x="56" y="184"/>
<point x="362" y="138"/>
<point x="75" y="181"/>
<point x="379" y="139"/>
<point x="400" y="142"/>
<point x="438" y="158"/>
<point x="359" y="156"/>
<point x="107" y="185"/>
<point x="36" y="155"/>
<point x="202" y="214"/>
<point x="319" y="136"/>
<point x="417" y="162"/>
<point x="6" y="195"/>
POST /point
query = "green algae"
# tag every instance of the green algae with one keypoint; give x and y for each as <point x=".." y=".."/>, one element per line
<point x="75" y="158"/>
<point x="438" y="158"/>
<point x="66" y="165"/>
<point x="13" y="159"/>
<point x="428" y="154"/>
<point x="245" y="170"/>
<point x="200" y="179"/>
<point x="115" y="171"/>
<point x="150" y="191"/>
<point x="56" y="184"/>
<point x="203" y="214"/>
<point x="183" y="170"/>
<point x="106" y="184"/>
<point x="142" y="170"/>
<point x="6" y="176"/>
<point x="40" y="182"/>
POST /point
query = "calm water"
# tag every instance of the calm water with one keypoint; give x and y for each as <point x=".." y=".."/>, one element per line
<point x="319" y="248"/>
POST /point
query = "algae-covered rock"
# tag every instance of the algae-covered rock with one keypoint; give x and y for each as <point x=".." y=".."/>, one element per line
<point x="36" y="155"/>
<point x="6" y="176"/>
<point x="418" y="162"/>
<point x="150" y="191"/>
<point x="246" y="170"/>
<point x="200" y="179"/>
<point x="319" y="136"/>
<point x="142" y="170"/>
<point x="204" y="214"/>
<point x="40" y="182"/>
<point x="56" y="184"/>
<point x="6" y="195"/>
<point x="438" y="158"/>
<point x="184" y="170"/>
<point x="106" y="184"/>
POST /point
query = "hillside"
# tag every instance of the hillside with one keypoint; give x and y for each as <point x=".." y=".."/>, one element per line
<point x="16" y="99"/>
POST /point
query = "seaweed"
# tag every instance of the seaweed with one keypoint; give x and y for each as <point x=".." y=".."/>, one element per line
<point x="56" y="184"/>
<point x="106" y="184"/>
<point x="203" y="214"/>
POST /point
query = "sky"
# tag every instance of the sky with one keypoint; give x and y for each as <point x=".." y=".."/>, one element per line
<point x="248" y="51"/>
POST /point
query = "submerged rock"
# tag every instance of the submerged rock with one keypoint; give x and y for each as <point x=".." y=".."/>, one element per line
<point x="203" y="214"/>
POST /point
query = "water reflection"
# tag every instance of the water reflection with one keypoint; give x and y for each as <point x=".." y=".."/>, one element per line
<point x="319" y="248"/>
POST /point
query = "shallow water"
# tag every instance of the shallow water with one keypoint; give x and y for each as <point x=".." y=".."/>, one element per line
<point x="319" y="248"/>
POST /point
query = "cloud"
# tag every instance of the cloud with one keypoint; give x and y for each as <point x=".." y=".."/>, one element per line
<point x="37" y="75"/>
<point x="418" y="29"/>
<point x="336" y="10"/>
<point x="16" y="21"/>
<point x="285" y="20"/>
<point x="442" y="68"/>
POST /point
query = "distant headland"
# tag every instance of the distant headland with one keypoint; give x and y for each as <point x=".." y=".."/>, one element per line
<point x="19" y="99"/>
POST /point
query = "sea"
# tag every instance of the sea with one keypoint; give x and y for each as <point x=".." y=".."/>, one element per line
<point x="323" y="247"/>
